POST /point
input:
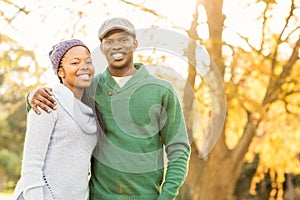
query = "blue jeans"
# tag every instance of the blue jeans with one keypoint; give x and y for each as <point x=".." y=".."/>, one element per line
<point x="20" y="197"/>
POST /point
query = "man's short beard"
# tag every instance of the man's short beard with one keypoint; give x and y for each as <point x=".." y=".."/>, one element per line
<point x="126" y="64"/>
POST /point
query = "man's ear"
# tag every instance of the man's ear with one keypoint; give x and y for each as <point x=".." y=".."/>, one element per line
<point x="101" y="48"/>
<point x="61" y="73"/>
<point x="135" y="44"/>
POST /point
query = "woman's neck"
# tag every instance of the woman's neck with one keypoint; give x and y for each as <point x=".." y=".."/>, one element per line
<point x="78" y="92"/>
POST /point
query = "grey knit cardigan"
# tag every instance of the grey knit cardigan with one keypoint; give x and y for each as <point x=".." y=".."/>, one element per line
<point x="57" y="150"/>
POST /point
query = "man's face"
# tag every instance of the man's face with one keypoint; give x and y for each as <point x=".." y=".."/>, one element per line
<point x="118" y="47"/>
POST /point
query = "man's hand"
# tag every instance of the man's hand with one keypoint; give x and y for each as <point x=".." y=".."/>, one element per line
<point x="43" y="99"/>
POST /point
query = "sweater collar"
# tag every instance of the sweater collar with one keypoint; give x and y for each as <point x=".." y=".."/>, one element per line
<point x="139" y="75"/>
<point x="81" y="113"/>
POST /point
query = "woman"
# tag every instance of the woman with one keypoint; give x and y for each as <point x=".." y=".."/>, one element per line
<point x="58" y="145"/>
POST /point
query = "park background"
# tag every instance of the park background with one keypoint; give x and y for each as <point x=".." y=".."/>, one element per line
<point x="254" y="44"/>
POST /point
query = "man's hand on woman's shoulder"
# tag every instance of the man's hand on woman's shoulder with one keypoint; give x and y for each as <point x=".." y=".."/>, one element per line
<point x="42" y="98"/>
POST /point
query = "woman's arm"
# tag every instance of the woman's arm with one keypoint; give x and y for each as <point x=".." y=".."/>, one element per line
<point x="38" y="134"/>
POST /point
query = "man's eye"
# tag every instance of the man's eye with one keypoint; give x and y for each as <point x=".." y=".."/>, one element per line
<point x="125" y="40"/>
<point x="75" y="63"/>
<point x="108" y="42"/>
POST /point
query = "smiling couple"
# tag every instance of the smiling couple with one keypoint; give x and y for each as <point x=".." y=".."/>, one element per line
<point x="118" y="125"/>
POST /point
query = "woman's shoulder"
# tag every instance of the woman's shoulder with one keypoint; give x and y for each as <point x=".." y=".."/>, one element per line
<point x="52" y="115"/>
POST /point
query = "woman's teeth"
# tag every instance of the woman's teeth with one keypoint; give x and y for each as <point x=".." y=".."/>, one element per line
<point x="84" y="76"/>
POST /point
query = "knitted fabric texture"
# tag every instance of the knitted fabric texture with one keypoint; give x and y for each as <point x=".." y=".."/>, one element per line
<point x="60" y="49"/>
<point x="57" y="150"/>
<point x="116" y="23"/>
<point x="139" y="118"/>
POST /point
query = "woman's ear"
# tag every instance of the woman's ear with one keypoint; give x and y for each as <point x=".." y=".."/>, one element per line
<point x="61" y="73"/>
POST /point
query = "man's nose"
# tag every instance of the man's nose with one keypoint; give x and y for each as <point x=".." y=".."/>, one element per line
<point x="117" y="46"/>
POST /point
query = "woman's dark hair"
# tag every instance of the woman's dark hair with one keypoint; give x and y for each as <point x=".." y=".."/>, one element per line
<point x="99" y="122"/>
<point x="60" y="66"/>
<point x="97" y="114"/>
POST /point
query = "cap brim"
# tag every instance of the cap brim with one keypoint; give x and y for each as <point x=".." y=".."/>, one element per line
<point x="116" y="28"/>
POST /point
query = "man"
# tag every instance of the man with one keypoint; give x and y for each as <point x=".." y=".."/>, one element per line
<point x="142" y="118"/>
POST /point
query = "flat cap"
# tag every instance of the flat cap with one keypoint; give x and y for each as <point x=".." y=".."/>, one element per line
<point x="116" y="23"/>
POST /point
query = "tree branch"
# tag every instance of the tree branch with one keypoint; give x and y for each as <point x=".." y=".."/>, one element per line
<point x="288" y="110"/>
<point x="188" y="97"/>
<point x="279" y="39"/>
<point x="151" y="11"/>
<point x="274" y="85"/>
<point x="9" y="20"/>
<point x="263" y="26"/>
<point x="274" y="90"/>
<point x="249" y="131"/>
<point x="290" y="33"/>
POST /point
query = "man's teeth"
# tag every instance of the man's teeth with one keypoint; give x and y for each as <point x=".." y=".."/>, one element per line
<point x="117" y="55"/>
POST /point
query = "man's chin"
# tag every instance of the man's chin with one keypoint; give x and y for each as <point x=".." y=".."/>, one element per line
<point x="117" y="64"/>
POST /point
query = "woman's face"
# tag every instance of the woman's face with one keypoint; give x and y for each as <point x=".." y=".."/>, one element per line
<point x="77" y="70"/>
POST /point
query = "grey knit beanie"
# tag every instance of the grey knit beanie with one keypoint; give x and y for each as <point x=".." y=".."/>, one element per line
<point x="116" y="23"/>
<point x="59" y="50"/>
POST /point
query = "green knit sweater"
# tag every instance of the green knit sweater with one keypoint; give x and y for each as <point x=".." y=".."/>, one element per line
<point x="143" y="119"/>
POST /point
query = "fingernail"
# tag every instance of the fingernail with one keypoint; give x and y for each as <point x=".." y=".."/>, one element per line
<point x="49" y="110"/>
<point x="54" y="108"/>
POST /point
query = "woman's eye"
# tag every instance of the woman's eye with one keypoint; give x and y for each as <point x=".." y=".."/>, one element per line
<point x="75" y="63"/>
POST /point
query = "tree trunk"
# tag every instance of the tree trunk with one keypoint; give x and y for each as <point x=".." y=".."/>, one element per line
<point x="214" y="177"/>
<point x="215" y="20"/>
<point x="290" y="192"/>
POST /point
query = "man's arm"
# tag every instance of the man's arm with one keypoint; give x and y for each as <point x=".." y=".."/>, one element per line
<point x="175" y="139"/>
<point x="40" y="98"/>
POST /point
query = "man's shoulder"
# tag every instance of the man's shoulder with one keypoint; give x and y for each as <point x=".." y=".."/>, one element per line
<point x="158" y="80"/>
<point x="153" y="77"/>
<point x="99" y="75"/>
<point x="99" y="78"/>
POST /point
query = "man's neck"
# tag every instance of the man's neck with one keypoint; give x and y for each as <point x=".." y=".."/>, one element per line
<point x="122" y="72"/>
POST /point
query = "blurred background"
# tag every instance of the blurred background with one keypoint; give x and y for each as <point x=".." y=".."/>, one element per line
<point x="253" y="44"/>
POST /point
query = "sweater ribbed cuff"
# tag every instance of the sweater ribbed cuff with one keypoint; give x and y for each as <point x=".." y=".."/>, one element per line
<point x="164" y="195"/>
<point x="28" y="107"/>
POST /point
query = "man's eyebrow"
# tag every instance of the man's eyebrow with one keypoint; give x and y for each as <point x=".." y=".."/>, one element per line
<point x="121" y="37"/>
